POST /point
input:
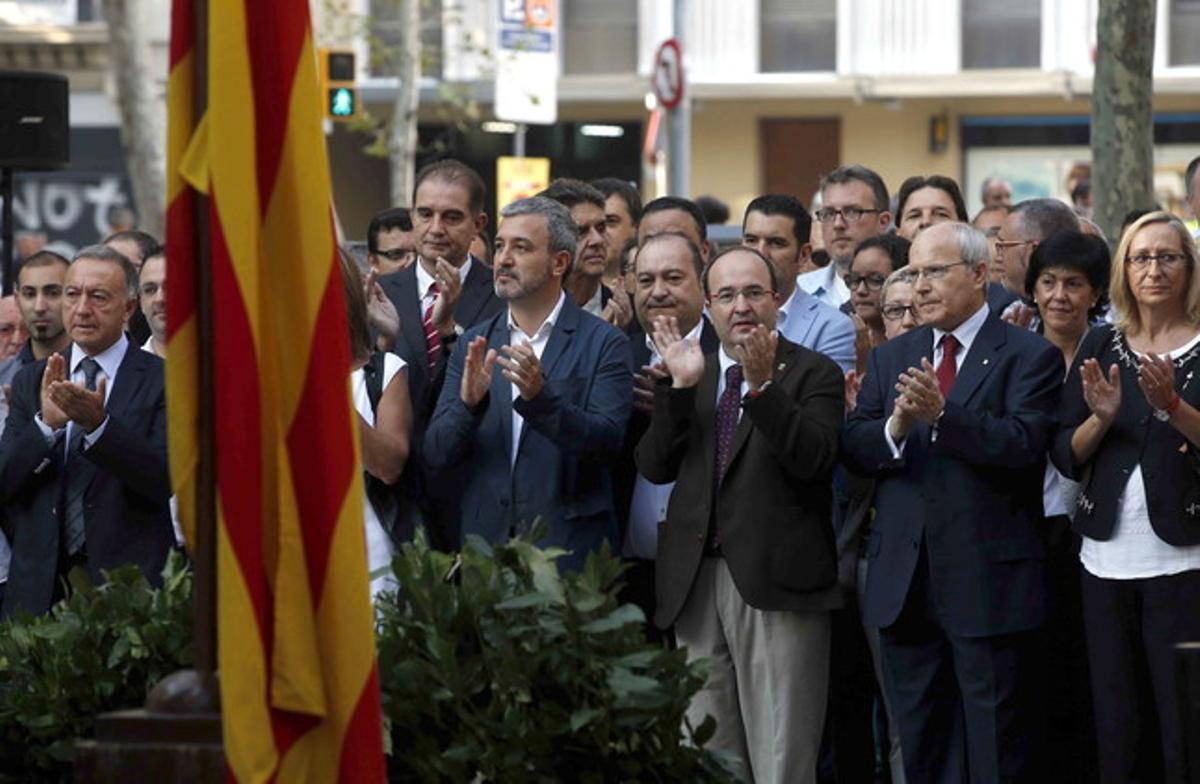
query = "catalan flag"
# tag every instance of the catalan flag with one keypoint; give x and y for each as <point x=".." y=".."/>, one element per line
<point x="296" y="651"/>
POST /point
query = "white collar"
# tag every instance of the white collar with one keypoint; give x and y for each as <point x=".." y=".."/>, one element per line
<point x="545" y="326"/>
<point x="425" y="280"/>
<point x="794" y="303"/>
<point x="694" y="334"/>
<point x="965" y="332"/>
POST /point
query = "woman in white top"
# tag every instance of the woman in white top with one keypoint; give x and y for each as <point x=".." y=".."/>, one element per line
<point x="1131" y="430"/>
<point x="384" y="428"/>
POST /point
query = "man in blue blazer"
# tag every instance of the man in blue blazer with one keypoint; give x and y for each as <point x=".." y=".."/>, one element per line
<point x="83" y="459"/>
<point x="536" y="399"/>
<point x="953" y="421"/>
<point x="779" y="227"/>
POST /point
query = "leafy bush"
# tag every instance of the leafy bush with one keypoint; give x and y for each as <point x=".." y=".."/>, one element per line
<point x="99" y="650"/>
<point x="496" y="668"/>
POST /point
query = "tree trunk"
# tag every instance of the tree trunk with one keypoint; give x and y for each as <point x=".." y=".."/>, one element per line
<point x="402" y="136"/>
<point x="1122" y="113"/>
<point x="142" y="108"/>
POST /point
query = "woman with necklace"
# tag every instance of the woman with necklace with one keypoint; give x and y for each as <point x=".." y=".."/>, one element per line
<point x="1131" y="431"/>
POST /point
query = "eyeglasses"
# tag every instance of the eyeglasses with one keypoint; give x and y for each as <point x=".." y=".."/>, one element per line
<point x="1003" y="244"/>
<point x="849" y="214"/>
<point x="395" y="254"/>
<point x="896" y="312"/>
<point x="1165" y="260"/>
<point x="753" y="294"/>
<point x="874" y="281"/>
<point x="932" y="272"/>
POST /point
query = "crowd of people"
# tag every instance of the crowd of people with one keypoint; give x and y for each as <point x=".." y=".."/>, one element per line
<point x="924" y="489"/>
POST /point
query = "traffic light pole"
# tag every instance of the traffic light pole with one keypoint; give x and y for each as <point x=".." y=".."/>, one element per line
<point x="679" y="156"/>
<point x="519" y="140"/>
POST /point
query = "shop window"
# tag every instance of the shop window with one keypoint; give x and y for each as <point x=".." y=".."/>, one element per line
<point x="1001" y="35"/>
<point x="797" y="35"/>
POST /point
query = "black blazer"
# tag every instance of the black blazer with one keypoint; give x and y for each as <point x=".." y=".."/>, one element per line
<point x="477" y="302"/>
<point x="972" y="497"/>
<point x="772" y="508"/>
<point x="126" y="514"/>
<point x="1170" y="464"/>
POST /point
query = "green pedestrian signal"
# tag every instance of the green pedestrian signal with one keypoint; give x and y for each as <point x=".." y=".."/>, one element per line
<point x="342" y="102"/>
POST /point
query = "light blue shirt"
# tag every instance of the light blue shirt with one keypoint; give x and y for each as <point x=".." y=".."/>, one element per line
<point x="110" y="361"/>
<point x="808" y="322"/>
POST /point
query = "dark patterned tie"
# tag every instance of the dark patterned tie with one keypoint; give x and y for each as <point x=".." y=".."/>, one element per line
<point x="78" y="471"/>
<point x="728" y="408"/>
<point x="947" y="369"/>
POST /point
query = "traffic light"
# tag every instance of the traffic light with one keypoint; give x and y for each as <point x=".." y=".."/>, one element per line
<point x="338" y="88"/>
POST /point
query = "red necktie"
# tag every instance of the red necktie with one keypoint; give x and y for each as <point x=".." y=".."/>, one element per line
<point x="947" y="369"/>
<point x="433" y="341"/>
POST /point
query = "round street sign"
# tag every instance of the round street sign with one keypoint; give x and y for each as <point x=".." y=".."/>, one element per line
<point x="667" y="78"/>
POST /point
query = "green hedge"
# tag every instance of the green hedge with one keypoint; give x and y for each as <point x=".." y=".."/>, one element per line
<point x="493" y="668"/>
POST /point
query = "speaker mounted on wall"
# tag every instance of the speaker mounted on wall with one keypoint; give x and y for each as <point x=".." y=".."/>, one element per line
<point x="34" y="121"/>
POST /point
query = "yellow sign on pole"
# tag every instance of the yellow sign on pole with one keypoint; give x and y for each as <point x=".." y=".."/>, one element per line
<point x="519" y="178"/>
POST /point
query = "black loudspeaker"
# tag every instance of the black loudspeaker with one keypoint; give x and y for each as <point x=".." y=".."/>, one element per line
<point x="33" y="121"/>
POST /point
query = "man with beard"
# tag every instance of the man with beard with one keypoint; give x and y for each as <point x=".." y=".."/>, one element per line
<point x="39" y="296"/>
<point x="152" y="289"/>
<point x="536" y="398"/>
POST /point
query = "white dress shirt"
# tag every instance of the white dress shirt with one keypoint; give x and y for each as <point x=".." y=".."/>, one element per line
<point x="538" y="342"/>
<point x="648" y="506"/>
<point x="593" y="305"/>
<point x="965" y="333"/>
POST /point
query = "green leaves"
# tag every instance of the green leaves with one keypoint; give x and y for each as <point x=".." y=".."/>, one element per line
<point x="494" y="667"/>
<point x="99" y="650"/>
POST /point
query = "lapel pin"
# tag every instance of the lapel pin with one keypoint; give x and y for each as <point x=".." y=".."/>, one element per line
<point x="985" y="361"/>
<point x="782" y="365"/>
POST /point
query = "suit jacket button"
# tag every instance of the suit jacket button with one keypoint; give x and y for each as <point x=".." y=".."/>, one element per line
<point x="916" y="545"/>
<point x="699" y="537"/>
<point x="504" y="502"/>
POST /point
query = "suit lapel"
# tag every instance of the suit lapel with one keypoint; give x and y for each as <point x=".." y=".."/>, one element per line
<point x="706" y="409"/>
<point x="979" y="360"/>
<point x="560" y="336"/>
<point x="477" y="288"/>
<point x="412" y="326"/>
<point x="501" y="391"/>
<point x="130" y="375"/>
<point x="801" y="320"/>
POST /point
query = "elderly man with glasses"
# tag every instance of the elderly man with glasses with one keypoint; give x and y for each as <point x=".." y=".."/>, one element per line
<point x="953" y="420"/>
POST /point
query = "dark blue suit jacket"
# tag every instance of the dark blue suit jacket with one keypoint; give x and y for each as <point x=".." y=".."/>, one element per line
<point x="973" y="495"/>
<point x="572" y="432"/>
<point x="126" y="514"/>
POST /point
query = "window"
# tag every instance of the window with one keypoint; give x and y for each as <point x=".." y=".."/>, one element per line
<point x="385" y="37"/>
<point x="797" y="35"/>
<point x="1184" y="26"/>
<point x="599" y="36"/>
<point x="1001" y="35"/>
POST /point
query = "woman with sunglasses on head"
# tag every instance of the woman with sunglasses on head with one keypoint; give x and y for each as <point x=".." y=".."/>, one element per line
<point x="1130" y="435"/>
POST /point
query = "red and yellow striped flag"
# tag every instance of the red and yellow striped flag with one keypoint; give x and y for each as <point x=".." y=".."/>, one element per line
<point x="296" y="650"/>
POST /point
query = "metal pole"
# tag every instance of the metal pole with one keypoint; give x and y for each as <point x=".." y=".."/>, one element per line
<point x="519" y="140"/>
<point x="6" y="231"/>
<point x="679" y="151"/>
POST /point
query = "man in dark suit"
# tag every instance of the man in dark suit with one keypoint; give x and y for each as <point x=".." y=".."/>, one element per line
<point x="83" y="459"/>
<point x="584" y="283"/>
<point x="746" y="568"/>
<point x="669" y="268"/>
<point x="536" y="438"/>
<point x="953" y="420"/>
<point x="444" y="293"/>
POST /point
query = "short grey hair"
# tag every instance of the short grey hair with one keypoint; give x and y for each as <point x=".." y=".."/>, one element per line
<point x="564" y="234"/>
<point x="105" y="253"/>
<point x="902" y="275"/>
<point x="972" y="243"/>
<point x="1042" y="217"/>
